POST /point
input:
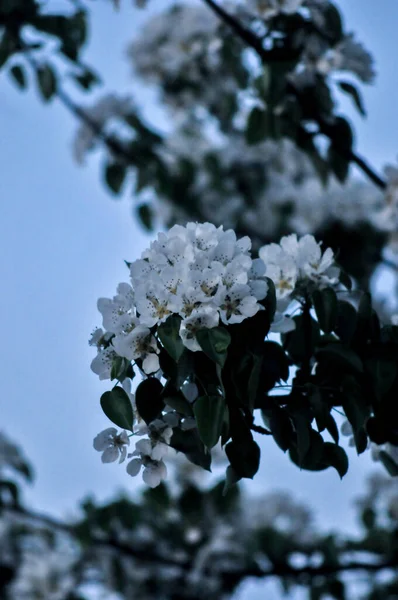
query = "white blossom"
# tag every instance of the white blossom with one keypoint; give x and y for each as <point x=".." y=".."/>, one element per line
<point x="139" y="343"/>
<point x="112" y="445"/>
<point x="270" y="8"/>
<point x="205" y="317"/>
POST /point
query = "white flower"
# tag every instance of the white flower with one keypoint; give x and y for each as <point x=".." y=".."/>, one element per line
<point x="139" y="343"/>
<point x="270" y="8"/>
<point x="236" y="304"/>
<point x="313" y="263"/>
<point x="150" y="453"/>
<point x="154" y="303"/>
<point x="154" y="471"/>
<point x="112" y="445"/>
<point x="101" y="365"/>
<point x="116" y="315"/>
<point x="205" y="317"/>
<point x="96" y="337"/>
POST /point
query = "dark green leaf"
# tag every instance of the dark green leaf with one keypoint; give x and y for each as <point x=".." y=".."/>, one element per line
<point x="297" y="343"/>
<point x="339" y="163"/>
<point x="325" y="304"/>
<point x="191" y="445"/>
<point x="115" y="174"/>
<point x="353" y="92"/>
<point x="169" y="335"/>
<point x="47" y="81"/>
<point x="214" y="343"/>
<point x="231" y="479"/>
<point x="148" y="398"/>
<point x="117" y="406"/>
<point x="257" y="126"/>
<point x="357" y="412"/>
<point x="345" y="279"/>
<point x="335" y="456"/>
<point x="341" y="356"/>
<point x="389" y="463"/>
<point x="332" y="428"/>
<point x="244" y="458"/>
<point x="346" y="321"/>
<point x="278" y="421"/>
<point x="18" y="74"/>
<point x="146" y="216"/>
<point x="209" y="414"/>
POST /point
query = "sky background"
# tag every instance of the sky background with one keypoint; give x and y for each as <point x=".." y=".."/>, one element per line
<point x="63" y="240"/>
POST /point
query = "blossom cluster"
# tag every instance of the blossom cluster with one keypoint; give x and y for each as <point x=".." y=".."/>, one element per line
<point x="199" y="272"/>
<point x="204" y="277"/>
<point x="296" y="266"/>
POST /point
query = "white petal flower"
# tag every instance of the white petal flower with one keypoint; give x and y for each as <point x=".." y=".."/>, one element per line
<point x="112" y="445"/>
<point x="154" y="473"/>
<point x="150" y="364"/>
<point x="237" y="304"/>
<point x="136" y="344"/>
<point x="101" y="365"/>
<point x="133" y="467"/>
<point x="205" y="317"/>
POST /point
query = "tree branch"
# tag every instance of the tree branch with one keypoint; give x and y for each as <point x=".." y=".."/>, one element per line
<point x="254" y="42"/>
<point x="230" y="577"/>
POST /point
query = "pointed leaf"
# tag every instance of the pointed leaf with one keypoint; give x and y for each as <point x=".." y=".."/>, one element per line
<point x="169" y="335"/>
<point x="325" y="304"/>
<point x="209" y="414"/>
<point x="148" y="399"/>
<point x="117" y="406"/>
<point x="214" y="343"/>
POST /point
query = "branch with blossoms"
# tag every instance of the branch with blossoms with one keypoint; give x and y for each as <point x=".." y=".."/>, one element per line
<point x="194" y="323"/>
<point x="326" y="128"/>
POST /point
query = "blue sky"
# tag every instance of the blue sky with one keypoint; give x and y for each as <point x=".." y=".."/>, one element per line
<point x="63" y="241"/>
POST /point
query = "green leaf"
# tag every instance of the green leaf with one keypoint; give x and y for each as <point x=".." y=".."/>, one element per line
<point x="332" y="428"/>
<point x="169" y="335"/>
<point x="356" y="411"/>
<point x="117" y="406"/>
<point x="47" y="81"/>
<point x="346" y="321"/>
<point x="341" y="356"/>
<point x="148" y="399"/>
<point x="383" y="372"/>
<point x="231" y="479"/>
<point x="339" y="163"/>
<point x="257" y="126"/>
<point x="18" y="74"/>
<point x="325" y="304"/>
<point x="115" y="174"/>
<point x="192" y="446"/>
<point x="214" y="343"/>
<point x="209" y="414"/>
<point x="11" y="489"/>
<point x="119" y="369"/>
<point x="146" y="216"/>
<point x="334" y="456"/>
<point x="244" y="458"/>
<point x="278" y="421"/>
<point x="345" y="279"/>
<point x="311" y="460"/>
<point x="389" y="463"/>
<point x="297" y="343"/>
<point x="179" y="403"/>
<point x="353" y="92"/>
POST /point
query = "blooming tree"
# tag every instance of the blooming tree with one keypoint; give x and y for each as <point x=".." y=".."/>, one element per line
<point x="252" y="311"/>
